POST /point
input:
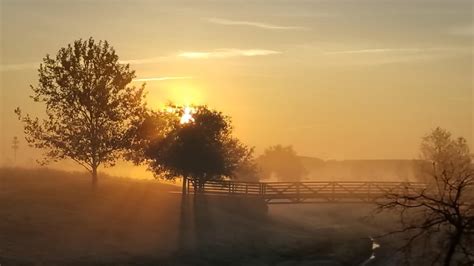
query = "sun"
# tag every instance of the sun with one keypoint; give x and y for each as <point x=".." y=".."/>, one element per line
<point x="187" y="116"/>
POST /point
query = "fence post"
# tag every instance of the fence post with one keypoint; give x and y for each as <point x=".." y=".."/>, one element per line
<point x="187" y="185"/>
<point x="333" y="191"/>
<point x="298" y="191"/>
<point x="368" y="191"/>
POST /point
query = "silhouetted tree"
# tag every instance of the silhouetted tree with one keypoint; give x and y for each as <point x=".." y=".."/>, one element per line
<point x="248" y="171"/>
<point x="91" y="111"/>
<point x="443" y="212"/>
<point x="201" y="147"/>
<point x="283" y="162"/>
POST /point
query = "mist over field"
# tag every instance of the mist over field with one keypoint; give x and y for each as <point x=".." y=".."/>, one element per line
<point x="51" y="217"/>
<point x="236" y="133"/>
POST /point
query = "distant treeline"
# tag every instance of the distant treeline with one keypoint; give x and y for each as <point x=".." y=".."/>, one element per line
<point x="360" y="170"/>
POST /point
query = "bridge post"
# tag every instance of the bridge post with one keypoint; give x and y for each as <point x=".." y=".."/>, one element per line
<point x="368" y="191"/>
<point x="297" y="191"/>
<point x="333" y="193"/>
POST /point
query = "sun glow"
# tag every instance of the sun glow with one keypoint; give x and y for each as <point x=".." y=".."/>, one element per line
<point x="184" y="94"/>
<point x="187" y="116"/>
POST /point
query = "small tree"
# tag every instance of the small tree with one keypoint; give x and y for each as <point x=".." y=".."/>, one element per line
<point x="200" y="147"/>
<point x="91" y="112"/>
<point x="443" y="212"/>
<point x="283" y="162"/>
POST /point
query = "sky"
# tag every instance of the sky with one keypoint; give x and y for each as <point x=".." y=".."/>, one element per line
<point x="336" y="79"/>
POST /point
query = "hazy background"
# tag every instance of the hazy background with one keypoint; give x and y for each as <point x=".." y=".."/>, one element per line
<point x="337" y="79"/>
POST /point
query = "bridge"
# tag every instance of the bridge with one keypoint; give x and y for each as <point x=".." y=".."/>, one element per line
<point x="306" y="192"/>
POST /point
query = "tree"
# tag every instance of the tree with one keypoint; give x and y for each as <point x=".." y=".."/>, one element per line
<point x="91" y="111"/>
<point x="248" y="171"/>
<point x="195" y="144"/>
<point x="443" y="212"/>
<point x="283" y="162"/>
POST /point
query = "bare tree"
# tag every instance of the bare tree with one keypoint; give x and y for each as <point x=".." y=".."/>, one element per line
<point x="441" y="215"/>
<point x="91" y="111"/>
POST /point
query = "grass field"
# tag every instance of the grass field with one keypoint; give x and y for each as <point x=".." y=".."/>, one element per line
<point x="55" y="218"/>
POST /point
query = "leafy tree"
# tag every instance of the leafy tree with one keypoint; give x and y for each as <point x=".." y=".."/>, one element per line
<point x="201" y="148"/>
<point x="443" y="212"/>
<point x="91" y="111"/>
<point x="283" y="162"/>
<point x="248" y="171"/>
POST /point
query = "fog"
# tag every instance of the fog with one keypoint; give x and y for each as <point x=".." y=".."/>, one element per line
<point x="53" y="217"/>
<point x="330" y="132"/>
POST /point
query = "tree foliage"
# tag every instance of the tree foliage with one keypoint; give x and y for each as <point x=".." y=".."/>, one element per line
<point x="202" y="149"/>
<point x="248" y="171"/>
<point x="283" y="162"/>
<point x="91" y="111"/>
<point x="443" y="212"/>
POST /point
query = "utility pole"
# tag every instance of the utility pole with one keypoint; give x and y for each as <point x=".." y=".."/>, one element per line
<point x="15" y="146"/>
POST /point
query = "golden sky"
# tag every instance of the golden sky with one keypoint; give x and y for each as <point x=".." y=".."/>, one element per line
<point x="337" y="79"/>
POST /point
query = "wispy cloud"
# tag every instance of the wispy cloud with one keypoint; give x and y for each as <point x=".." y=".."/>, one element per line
<point x="162" y="78"/>
<point x="226" y="53"/>
<point x="376" y="51"/>
<point x="219" y="53"/>
<point x="17" y="67"/>
<point x="253" y="24"/>
<point x="148" y="60"/>
<point x="467" y="30"/>
<point x="35" y="65"/>
<point x="380" y="56"/>
<point x="408" y="50"/>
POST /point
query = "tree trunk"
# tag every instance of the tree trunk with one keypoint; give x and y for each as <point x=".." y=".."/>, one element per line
<point x="185" y="183"/>
<point x="452" y="248"/>
<point x="95" y="180"/>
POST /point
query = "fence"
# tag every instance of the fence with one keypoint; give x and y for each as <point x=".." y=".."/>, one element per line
<point x="305" y="192"/>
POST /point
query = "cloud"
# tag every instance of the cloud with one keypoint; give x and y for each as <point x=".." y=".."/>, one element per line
<point x="162" y="78"/>
<point x="380" y="56"/>
<point x="260" y="25"/>
<point x="27" y="66"/>
<point x="148" y="60"/>
<point x="18" y="67"/>
<point x="219" y="53"/>
<point x="375" y="51"/>
<point x="226" y="53"/>
<point x="35" y="65"/>
<point x="463" y="31"/>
